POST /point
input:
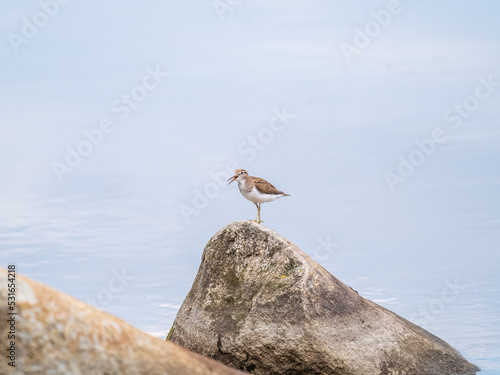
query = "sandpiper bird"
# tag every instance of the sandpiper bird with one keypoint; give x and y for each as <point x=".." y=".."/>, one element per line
<point x="256" y="190"/>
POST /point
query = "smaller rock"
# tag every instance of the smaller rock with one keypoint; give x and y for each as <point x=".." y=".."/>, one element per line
<point x="57" y="334"/>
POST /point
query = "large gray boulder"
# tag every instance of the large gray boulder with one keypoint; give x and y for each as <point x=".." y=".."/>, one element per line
<point x="54" y="333"/>
<point x="260" y="304"/>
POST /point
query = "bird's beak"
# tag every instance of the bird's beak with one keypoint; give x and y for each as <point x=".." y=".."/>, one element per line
<point x="232" y="179"/>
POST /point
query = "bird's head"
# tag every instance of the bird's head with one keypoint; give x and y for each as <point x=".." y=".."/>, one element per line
<point x="239" y="174"/>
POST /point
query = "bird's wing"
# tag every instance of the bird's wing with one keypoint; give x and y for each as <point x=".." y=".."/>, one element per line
<point x="265" y="187"/>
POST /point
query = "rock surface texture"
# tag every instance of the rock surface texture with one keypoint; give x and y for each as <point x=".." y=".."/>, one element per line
<point x="57" y="334"/>
<point x="260" y="304"/>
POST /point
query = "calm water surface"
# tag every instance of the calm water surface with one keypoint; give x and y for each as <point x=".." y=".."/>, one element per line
<point x="429" y="250"/>
<point x="106" y="233"/>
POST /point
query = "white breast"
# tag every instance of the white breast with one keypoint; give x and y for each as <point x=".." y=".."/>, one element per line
<point x="256" y="197"/>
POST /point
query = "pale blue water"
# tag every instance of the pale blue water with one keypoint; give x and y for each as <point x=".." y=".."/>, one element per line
<point x="265" y="87"/>
<point x="117" y="249"/>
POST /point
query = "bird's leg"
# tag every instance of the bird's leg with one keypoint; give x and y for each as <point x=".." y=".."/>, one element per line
<point x="257" y="219"/>
<point x="258" y="212"/>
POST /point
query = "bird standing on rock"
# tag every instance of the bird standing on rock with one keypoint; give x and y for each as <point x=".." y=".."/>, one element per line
<point x="256" y="190"/>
